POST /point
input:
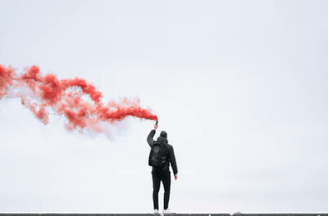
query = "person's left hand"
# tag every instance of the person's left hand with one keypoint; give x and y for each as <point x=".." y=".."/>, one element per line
<point x="155" y="126"/>
<point x="176" y="177"/>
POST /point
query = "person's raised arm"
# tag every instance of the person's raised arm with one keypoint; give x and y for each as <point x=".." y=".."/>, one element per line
<point x="150" y="140"/>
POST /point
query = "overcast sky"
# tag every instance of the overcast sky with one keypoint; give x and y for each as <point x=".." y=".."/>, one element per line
<point x="239" y="86"/>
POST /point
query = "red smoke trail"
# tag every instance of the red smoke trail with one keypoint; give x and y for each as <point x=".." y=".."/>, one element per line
<point x="64" y="97"/>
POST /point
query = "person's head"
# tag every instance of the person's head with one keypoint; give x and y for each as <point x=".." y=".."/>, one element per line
<point x="163" y="134"/>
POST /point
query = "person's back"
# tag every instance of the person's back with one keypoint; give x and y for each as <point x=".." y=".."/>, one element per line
<point x="160" y="170"/>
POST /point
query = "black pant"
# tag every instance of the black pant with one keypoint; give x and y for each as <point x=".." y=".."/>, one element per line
<point x="158" y="175"/>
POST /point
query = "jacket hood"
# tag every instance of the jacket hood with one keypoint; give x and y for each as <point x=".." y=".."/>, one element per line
<point x="162" y="140"/>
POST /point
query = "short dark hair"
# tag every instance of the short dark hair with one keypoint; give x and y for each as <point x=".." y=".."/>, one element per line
<point x="163" y="134"/>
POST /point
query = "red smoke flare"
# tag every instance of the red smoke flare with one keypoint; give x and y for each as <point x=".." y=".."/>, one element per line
<point x="40" y="93"/>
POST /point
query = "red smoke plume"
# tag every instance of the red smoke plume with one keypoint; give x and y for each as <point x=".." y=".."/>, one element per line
<point x="44" y="93"/>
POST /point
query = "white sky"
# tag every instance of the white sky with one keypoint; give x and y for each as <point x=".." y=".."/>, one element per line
<point x="240" y="87"/>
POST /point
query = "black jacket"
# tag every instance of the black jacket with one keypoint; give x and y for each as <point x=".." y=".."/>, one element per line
<point x="170" y="149"/>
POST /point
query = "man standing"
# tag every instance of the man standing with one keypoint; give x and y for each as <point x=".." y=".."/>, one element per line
<point x="161" y="155"/>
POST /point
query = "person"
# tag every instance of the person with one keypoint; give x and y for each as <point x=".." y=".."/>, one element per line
<point x="162" y="173"/>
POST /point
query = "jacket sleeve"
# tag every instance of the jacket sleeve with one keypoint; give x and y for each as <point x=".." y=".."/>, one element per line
<point x="172" y="159"/>
<point x="150" y="140"/>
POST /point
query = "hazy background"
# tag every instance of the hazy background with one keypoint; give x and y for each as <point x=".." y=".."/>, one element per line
<point x="240" y="87"/>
